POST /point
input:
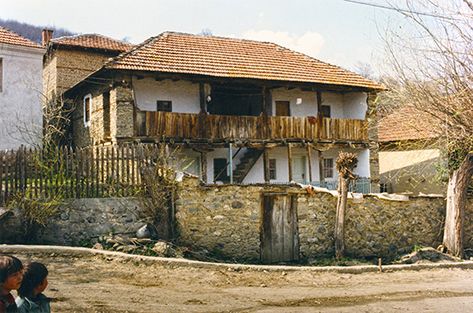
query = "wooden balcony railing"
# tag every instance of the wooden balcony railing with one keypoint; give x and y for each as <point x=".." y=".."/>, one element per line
<point x="219" y="127"/>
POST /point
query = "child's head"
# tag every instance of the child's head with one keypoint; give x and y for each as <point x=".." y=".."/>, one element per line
<point x="11" y="272"/>
<point x="34" y="281"/>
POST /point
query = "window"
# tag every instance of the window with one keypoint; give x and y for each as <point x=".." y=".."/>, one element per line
<point x="325" y="111"/>
<point x="1" y="74"/>
<point x="221" y="170"/>
<point x="106" y="114"/>
<point x="87" y="109"/>
<point x="272" y="168"/>
<point x="165" y="106"/>
<point x="327" y="168"/>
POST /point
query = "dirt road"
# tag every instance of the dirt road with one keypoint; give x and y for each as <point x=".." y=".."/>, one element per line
<point x="109" y="284"/>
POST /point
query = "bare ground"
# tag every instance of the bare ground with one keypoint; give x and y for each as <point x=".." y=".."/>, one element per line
<point x="110" y="284"/>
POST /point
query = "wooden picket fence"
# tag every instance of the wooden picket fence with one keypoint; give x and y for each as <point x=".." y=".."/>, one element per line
<point x="104" y="171"/>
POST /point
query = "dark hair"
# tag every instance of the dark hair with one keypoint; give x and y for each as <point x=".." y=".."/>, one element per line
<point x="9" y="265"/>
<point x="34" y="275"/>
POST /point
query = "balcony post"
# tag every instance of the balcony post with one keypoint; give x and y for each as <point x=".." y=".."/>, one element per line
<point x="230" y="162"/>
<point x="266" y="165"/>
<point x="289" y="161"/>
<point x="309" y="159"/>
<point x="203" y="166"/>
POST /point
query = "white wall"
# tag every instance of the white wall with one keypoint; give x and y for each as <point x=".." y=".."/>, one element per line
<point x="351" y="105"/>
<point x="20" y="98"/>
<point x="183" y="94"/>
<point x="256" y="174"/>
<point x="355" y="105"/>
<point x="308" y="107"/>
<point x="335" y="101"/>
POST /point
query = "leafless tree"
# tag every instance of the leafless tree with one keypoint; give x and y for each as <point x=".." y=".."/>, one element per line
<point x="346" y="163"/>
<point x="431" y="54"/>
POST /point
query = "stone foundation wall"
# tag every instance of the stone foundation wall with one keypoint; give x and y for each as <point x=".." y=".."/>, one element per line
<point x="227" y="220"/>
<point x="82" y="221"/>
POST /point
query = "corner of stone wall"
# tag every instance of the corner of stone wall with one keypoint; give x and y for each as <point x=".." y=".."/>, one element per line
<point x="372" y="118"/>
<point x="121" y="112"/>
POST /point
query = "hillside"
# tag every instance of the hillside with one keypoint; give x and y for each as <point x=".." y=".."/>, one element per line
<point x="32" y="32"/>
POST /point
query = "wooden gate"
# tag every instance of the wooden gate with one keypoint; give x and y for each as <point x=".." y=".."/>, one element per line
<point x="279" y="234"/>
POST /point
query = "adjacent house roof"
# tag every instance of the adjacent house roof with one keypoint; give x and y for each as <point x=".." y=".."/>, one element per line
<point x="92" y="41"/>
<point x="11" y="38"/>
<point x="173" y="52"/>
<point x="406" y="123"/>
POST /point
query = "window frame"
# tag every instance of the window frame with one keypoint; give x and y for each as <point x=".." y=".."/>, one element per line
<point x="272" y="169"/>
<point x="162" y="103"/>
<point x="327" y="168"/>
<point x="87" y="122"/>
<point x="329" y="107"/>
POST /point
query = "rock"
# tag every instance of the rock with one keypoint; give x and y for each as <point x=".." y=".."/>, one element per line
<point x="428" y="254"/>
<point x="162" y="248"/>
<point x="147" y="231"/>
<point x="97" y="246"/>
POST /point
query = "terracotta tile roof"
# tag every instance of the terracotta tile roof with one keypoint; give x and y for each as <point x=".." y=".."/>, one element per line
<point x="406" y="123"/>
<point x="11" y="38"/>
<point x="92" y="41"/>
<point x="236" y="58"/>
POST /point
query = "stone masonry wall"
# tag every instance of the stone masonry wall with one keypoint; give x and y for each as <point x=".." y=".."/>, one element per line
<point x="82" y="221"/>
<point x="121" y="112"/>
<point x="227" y="219"/>
<point x="372" y="117"/>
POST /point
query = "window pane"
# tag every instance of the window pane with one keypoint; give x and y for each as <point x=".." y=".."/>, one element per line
<point x="272" y="168"/>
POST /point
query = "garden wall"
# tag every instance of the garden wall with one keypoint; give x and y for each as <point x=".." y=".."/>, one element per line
<point x="227" y="219"/>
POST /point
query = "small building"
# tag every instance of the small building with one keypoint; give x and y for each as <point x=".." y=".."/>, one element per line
<point x="20" y="90"/>
<point x="409" y="160"/>
<point x="70" y="59"/>
<point x="241" y="111"/>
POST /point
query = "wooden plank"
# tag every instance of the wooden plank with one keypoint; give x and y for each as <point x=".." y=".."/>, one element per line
<point x="289" y="161"/>
<point x="203" y="162"/>
<point x="309" y="159"/>
<point x="267" y="177"/>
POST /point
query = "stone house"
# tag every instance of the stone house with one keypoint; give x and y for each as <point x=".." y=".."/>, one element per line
<point x="242" y="111"/>
<point x="20" y="90"/>
<point x="70" y="59"/>
<point x="408" y="157"/>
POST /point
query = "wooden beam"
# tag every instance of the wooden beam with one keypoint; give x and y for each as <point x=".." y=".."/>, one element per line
<point x="321" y="172"/>
<point x="268" y="102"/>
<point x="203" y="165"/>
<point x="289" y="160"/>
<point x="266" y="165"/>
<point x="202" y="98"/>
<point x="319" y="103"/>
<point x="309" y="159"/>
<point x="230" y="162"/>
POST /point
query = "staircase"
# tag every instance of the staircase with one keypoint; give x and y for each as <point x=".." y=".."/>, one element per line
<point x="246" y="163"/>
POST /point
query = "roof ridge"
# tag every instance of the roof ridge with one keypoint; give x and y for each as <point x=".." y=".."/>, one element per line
<point x="128" y="52"/>
<point x="327" y="63"/>
<point x="90" y="34"/>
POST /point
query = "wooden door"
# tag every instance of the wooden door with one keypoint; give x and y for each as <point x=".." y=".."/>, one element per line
<point x="282" y="108"/>
<point x="299" y="169"/>
<point x="279" y="237"/>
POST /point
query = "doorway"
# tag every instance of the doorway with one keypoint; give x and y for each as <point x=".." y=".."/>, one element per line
<point x="279" y="236"/>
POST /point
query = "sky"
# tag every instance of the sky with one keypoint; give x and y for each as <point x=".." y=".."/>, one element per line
<point x="335" y="31"/>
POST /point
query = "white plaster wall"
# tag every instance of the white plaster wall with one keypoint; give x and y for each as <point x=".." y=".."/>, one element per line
<point x="363" y="167"/>
<point x="355" y="105"/>
<point x="308" y="107"/>
<point x="183" y="94"/>
<point x="20" y="98"/>
<point x="256" y="174"/>
<point x="335" y="101"/>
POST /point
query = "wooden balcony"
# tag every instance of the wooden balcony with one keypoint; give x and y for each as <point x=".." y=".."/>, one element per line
<point x="221" y="127"/>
